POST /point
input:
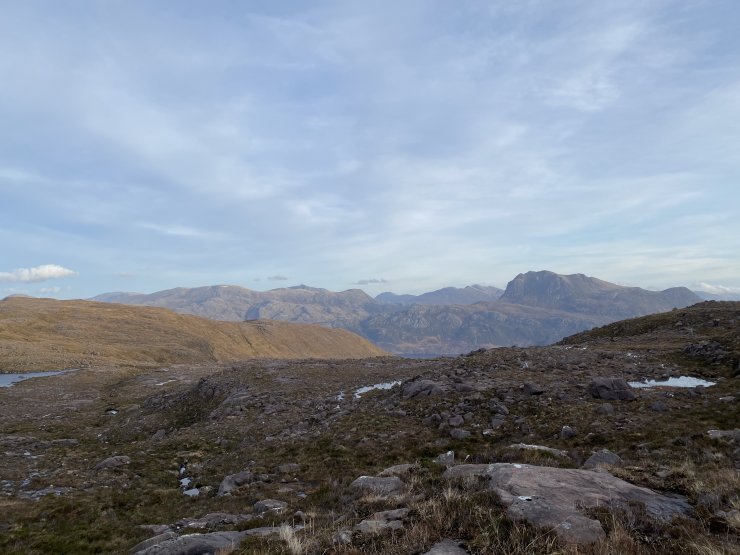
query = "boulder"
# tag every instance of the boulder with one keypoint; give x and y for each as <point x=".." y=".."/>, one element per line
<point x="421" y="388"/>
<point x="384" y="520"/>
<point x="447" y="547"/>
<point x="378" y="485"/>
<point x="550" y="450"/>
<point x="193" y="544"/>
<point x="457" y="433"/>
<point x="397" y="470"/>
<point x="113" y="462"/>
<point x="234" y="481"/>
<point x="601" y="459"/>
<point x="269" y="505"/>
<point x="611" y="389"/>
<point x="533" y="389"/>
<point x="288" y="468"/>
<point x="445" y="459"/>
<point x="213" y="520"/>
<point x="553" y="497"/>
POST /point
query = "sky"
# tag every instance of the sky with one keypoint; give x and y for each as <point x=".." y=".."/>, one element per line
<point x="398" y="145"/>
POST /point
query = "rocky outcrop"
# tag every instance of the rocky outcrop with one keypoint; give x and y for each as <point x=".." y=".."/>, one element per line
<point x="554" y="497"/>
<point x="611" y="389"/>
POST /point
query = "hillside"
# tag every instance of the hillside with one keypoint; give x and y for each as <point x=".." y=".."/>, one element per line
<point x="47" y="334"/>
<point x="447" y="295"/>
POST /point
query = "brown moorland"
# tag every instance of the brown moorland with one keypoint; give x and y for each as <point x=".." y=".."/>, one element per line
<point x="46" y="334"/>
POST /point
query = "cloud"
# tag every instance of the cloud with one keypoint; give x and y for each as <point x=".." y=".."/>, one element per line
<point x="180" y="231"/>
<point x="277" y="278"/>
<point x="369" y="281"/>
<point x="39" y="273"/>
<point x="716" y="289"/>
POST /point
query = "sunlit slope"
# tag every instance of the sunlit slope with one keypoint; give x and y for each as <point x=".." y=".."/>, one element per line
<point x="48" y="334"/>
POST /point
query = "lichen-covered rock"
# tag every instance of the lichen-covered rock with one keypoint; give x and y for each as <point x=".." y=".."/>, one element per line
<point x="378" y="485"/>
<point x="611" y="389"/>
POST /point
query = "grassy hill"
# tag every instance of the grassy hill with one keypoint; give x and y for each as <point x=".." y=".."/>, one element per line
<point x="39" y="334"/>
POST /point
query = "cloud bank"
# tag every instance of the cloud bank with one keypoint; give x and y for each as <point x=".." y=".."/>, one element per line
<point x="39" y="273"/>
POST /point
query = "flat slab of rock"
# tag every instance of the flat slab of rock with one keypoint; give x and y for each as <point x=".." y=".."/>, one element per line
<point x="611" y="389"/>
<point x="552" y="497"/>
<point x="201" y="544"/>
<point x="421" y="388"/>
<point x="447" y="547"/>
<point x="384" y="520"/>
<point x="550" y="450"/>
<point x="378" y="485"/>
<point x="213" y="520"/>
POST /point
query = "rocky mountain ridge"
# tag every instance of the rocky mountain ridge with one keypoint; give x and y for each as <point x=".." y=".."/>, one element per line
<point x="536" y="308"/>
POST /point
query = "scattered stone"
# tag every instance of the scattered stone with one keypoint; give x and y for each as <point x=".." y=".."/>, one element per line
<point x="566" y="432"/>
<point x="457" y="433"/>
<point x="445" y="459"/>
<point x="288" y="468"/>
<point x="611" y="389"/>
<point x="447" y="547"/>
<point x="498" y="408"/>
<point x="603" y="458"/>
<point x="659" y="406"/>
<point x="269" y="505"/>
<point x="421" y="388"/>
<point x="214" y="542"/>
<point x="382" y="486"/>
<point x="397" y="470"/>
<point x="343" y="537"/>
<point x="733" y="435"/>
<point x="533" y="389"/>
<point x="159" y="435"/>
<point x="385" y="520"/>
<point x="113" y="462"/>
<point x="456" y="420"/>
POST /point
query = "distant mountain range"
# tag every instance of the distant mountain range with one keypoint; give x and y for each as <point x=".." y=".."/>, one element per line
<point x="537" y="308"/>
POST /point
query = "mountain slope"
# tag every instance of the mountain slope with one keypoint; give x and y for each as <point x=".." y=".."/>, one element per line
<point x="448" y="295"/>
<point x="587" y="295"/>
<point x="48" y="334"/>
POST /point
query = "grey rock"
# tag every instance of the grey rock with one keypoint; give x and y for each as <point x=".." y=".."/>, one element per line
<point x="151" y="542"/>
<point x="113" y="462"/>
<point x="733" y="435"/>
<point x="603" y="458"/>
<point x="498" y="408"/>
<point x="397" y="470"/>
<point x="447" y="547"/>
<point x="457" y="433"/>
<point x="269" y="505"/>
<point x="234" y="481"/>
<point x="343" y="537"/>
<point x="382" y="486"/>
<point x="421" y="388"/>
<point x="159" y="435"/>
<point x="288" y="468"/>
<point x="553" y="497"/>
<point x="556" y="452"/>
<point x="566" y="432"/>
<point x="213" y="520"/>
<point x="498" y="421"/>
<point x="198" y="544"/>
<point x="611" y="389"/>
<point x="385" y="520"/>
<point x="533" y="389"/>
<point x="456" y="420"/>
<point x="659" y="406"/>
<point x="445" y="459"/>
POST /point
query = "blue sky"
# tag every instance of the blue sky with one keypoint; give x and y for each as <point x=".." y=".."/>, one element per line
<point x="398" y="146"/>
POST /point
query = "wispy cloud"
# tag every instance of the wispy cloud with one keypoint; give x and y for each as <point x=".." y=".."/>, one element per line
<point x="277" y="278"/>
<point x="716" y="288"/>
<point x="39" y="273"/>
<point x="369" y="281"/>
